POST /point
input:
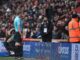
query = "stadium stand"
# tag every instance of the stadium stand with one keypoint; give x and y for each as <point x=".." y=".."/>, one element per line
<point x="35" y="12"/>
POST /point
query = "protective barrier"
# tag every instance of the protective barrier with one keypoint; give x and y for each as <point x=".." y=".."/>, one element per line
<point x="3" y="51"/>
<point x="47" y="51"/>
<point x="51" y="51"/>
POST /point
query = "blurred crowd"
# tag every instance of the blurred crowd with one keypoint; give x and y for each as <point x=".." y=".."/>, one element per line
<point x="35" y="11"/>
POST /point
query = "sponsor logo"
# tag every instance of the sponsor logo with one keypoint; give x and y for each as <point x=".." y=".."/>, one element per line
<point x="63" y="50"/>
<point x="27" y="47"/>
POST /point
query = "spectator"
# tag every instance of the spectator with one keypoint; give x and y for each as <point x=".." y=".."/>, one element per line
<point x="28" y="33"/>
<point x="35" y="10"/>
<point x="3" y="32"/>
<point x="46" y="30"/>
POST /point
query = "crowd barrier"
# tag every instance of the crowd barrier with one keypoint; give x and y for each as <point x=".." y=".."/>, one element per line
<point x="47" y="50"/>
<point x="52" y="51"/>
<point x="3" y="51"/>
<point x="40" y="40"/>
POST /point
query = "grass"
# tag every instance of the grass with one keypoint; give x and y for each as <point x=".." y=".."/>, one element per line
<point x="7" y="58"/>
<point x="12" y="58"/>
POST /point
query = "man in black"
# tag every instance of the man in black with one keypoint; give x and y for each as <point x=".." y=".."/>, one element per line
<point x="46" y="30"/>
<point x="49" y="12"/>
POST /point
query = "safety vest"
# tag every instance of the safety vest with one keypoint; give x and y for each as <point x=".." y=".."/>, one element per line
<point x="74" y="30"/>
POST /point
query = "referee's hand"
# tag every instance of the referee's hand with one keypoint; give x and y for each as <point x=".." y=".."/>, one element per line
<point x="21" y="34"/>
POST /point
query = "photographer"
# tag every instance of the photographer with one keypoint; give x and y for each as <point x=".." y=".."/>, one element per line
<point x="46" y="30"/>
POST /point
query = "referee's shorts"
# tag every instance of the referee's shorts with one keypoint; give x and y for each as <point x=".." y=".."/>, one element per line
<point x="17" y="37"/>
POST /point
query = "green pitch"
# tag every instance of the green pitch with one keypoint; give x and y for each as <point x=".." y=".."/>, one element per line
<point x="12" y="58"/>
<point x="7" y="58"/>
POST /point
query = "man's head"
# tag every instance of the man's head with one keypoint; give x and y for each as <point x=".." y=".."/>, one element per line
<point x="74" y="16"/>
<point x="45" y="19"/>
<point x="20" y="14"/>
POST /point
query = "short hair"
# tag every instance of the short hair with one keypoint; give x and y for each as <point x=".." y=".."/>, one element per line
<point x="74" y="16"/>
<point x="18" y="12"/>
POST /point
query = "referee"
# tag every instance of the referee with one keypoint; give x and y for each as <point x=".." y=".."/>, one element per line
<point x="18" y="26"/>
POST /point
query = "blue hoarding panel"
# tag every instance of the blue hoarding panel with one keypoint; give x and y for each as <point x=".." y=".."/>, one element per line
<point x="54" y="50"/>
<point x="75" y="53"/>
<point x="47" y="50"/>
<point x="50" y="51"/>
<point x="64" y="50"/>
<point x="3" y="51"/>
<point x="37" y="50"/>
<point x="28" y="49"/>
